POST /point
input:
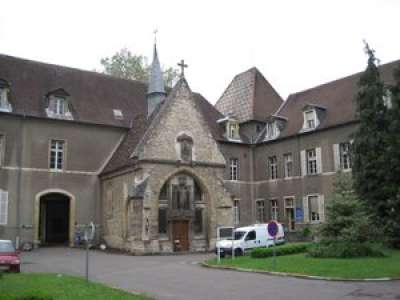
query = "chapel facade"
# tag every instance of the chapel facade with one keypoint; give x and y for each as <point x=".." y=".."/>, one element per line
<point x="159" y="170"/>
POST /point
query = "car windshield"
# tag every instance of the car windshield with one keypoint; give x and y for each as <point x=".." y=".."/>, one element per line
<point x="239" y="235"/>
<point x="6" y="247"/>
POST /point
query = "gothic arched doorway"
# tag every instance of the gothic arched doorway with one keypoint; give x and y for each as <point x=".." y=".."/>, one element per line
<point x="182" y="211"/>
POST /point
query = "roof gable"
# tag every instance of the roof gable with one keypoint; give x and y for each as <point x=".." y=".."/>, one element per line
<point x="249" y="96"/>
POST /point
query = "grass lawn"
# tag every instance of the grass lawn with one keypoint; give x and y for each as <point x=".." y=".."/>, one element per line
<point x="40" y="286"/>
<point x="329" y="267"/>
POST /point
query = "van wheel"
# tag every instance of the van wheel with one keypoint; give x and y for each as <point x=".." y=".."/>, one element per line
<point x="238" y="252"/>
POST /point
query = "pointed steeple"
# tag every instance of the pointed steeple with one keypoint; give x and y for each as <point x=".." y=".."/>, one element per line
<point x="156" y="91"/>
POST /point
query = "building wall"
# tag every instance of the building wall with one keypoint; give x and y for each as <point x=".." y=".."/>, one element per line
<point x="26" y="172"/>
<point x="262" y="187"/>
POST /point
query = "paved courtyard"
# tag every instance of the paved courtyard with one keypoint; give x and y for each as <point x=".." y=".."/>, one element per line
<point x="180" y="277"/>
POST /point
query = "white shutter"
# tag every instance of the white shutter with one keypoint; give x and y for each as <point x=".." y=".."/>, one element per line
<point x="305" y="209"/>
<point x="322" y="208"/>
<point x="319" y="159"/>
<point x="3" y="207"/>
<point x="303" y="163"/>
<point x="336" y="157"/>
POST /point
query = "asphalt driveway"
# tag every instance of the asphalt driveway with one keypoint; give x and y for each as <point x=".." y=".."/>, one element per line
<point x="180" y="277"/>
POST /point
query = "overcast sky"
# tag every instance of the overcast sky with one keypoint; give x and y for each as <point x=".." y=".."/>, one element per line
<point x="295" y="44"/>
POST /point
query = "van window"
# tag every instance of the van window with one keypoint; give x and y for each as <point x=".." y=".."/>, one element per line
<point x="239" y="235"/>
<point x="251" y="236"/>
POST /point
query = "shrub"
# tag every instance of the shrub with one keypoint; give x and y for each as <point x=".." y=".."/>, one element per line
<point x="347" y="250"/>
<point x="280" y="250"/>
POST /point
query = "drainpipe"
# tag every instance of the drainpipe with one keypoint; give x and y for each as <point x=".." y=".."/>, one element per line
<point x="252" y="185"/>
<point x="19" y="179"/>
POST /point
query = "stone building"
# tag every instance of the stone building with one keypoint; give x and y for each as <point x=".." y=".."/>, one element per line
<point x="159" y="170"/>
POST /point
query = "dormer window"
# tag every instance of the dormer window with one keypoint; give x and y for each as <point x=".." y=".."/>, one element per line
<point x="58" y="105"/>
<point x="118" y="114"/>
<point x="5" y="105"/>
<point x="233" y="130"/>
<point x="272" y="131"/>
<point x="310" y="119"/>
<point x="231" y="125"/>
<point x="313" y="114"/>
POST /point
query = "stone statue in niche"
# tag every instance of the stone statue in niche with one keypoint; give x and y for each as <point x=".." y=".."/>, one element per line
<point x="186" y="147"/>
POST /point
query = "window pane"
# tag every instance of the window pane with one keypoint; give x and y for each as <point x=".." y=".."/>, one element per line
<point x="198" y="220"/>
<point x="162" y="221"/>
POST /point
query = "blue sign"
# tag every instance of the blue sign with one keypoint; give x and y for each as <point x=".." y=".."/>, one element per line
<point x="299" y="215"/>
<point x="272" y="228"/>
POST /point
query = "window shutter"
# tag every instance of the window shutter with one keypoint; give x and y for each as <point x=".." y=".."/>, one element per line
<point x="336" y="157"/>
<point x="322" y="208"/>
<point x="319" y="159"/>
<point x="3" y="207"/>
<point x="305" y="209"/>
<point x="303" y="162"/>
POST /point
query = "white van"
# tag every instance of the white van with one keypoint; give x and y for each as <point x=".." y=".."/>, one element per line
<point x="250" y="237"/>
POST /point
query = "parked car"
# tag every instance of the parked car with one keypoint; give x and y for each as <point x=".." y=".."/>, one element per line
<point x="248" y="238"/>
<point x="9" y="257"/>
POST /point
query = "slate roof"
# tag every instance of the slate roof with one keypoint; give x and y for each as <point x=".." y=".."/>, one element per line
<point x="93" y="96"/>
<point x="249" y="97"/>
<point x="122" y="157"/>
<point x="337" y="97"/>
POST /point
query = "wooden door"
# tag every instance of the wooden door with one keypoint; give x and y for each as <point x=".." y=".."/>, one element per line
<point x="180" y="231"/>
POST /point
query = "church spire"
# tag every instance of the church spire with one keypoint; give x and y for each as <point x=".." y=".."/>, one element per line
<point x="156" y="91"/>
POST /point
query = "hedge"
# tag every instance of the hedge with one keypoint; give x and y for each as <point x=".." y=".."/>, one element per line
<point x="347" y="250"/>
<point x="286" y="249"/>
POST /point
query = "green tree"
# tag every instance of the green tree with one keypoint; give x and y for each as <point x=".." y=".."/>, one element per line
<point x="124" y="64"/>
<point x="347" y="219"/>
<point x="370" y="169"/>
<point x="393" y="161"/>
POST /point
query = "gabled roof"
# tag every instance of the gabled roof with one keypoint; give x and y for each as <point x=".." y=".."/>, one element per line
<point x="337" y="98"/>
<point x="249" y="97"/>
<point x="123" y="157"/>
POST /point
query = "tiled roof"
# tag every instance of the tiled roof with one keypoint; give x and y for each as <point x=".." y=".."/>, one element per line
<point x="338" y="98"/>
<point x="249" y="97"/>
<point x="93" y="96"/>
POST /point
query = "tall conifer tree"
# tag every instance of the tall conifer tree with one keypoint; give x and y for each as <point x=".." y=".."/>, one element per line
<point x="370" y="143"/>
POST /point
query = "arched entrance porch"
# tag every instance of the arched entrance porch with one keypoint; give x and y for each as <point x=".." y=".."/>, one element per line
<point x="54" y="217"/>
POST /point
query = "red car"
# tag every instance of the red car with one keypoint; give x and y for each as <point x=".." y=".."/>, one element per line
<point x="9" y="257"/>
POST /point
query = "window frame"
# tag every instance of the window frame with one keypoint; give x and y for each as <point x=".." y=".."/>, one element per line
<point x="64" y="155"/>
<point x="311" y="220"/>
<point x="345" y="156"/>
<point x="312" y="120"/>
<point x="4" y="201"/>
<point x="260" y="211"/>
<point x="273" y="167"/>
<point x="234" y="169"/>
<point x="311" y="162"/>
<point x="287" y="162"/>
<point x="274" y="209"/>
<point x="163" y="208"/>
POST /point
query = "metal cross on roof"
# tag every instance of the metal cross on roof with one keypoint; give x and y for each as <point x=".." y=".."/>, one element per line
<point x="183" y="66"/>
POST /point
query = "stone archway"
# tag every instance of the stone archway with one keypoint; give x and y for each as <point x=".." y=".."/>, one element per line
<point x="183" y="211"/>
<point x="58" y="196"/>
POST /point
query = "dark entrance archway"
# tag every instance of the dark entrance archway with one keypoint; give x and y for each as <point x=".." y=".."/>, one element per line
<point x="54" y="219"/>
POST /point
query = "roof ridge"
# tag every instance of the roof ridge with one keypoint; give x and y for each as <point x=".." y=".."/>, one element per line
<point x="46" y="64"/>
<point x="340" y="79"/>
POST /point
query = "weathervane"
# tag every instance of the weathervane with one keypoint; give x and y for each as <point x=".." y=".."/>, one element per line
<point x="182" y="65"/>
